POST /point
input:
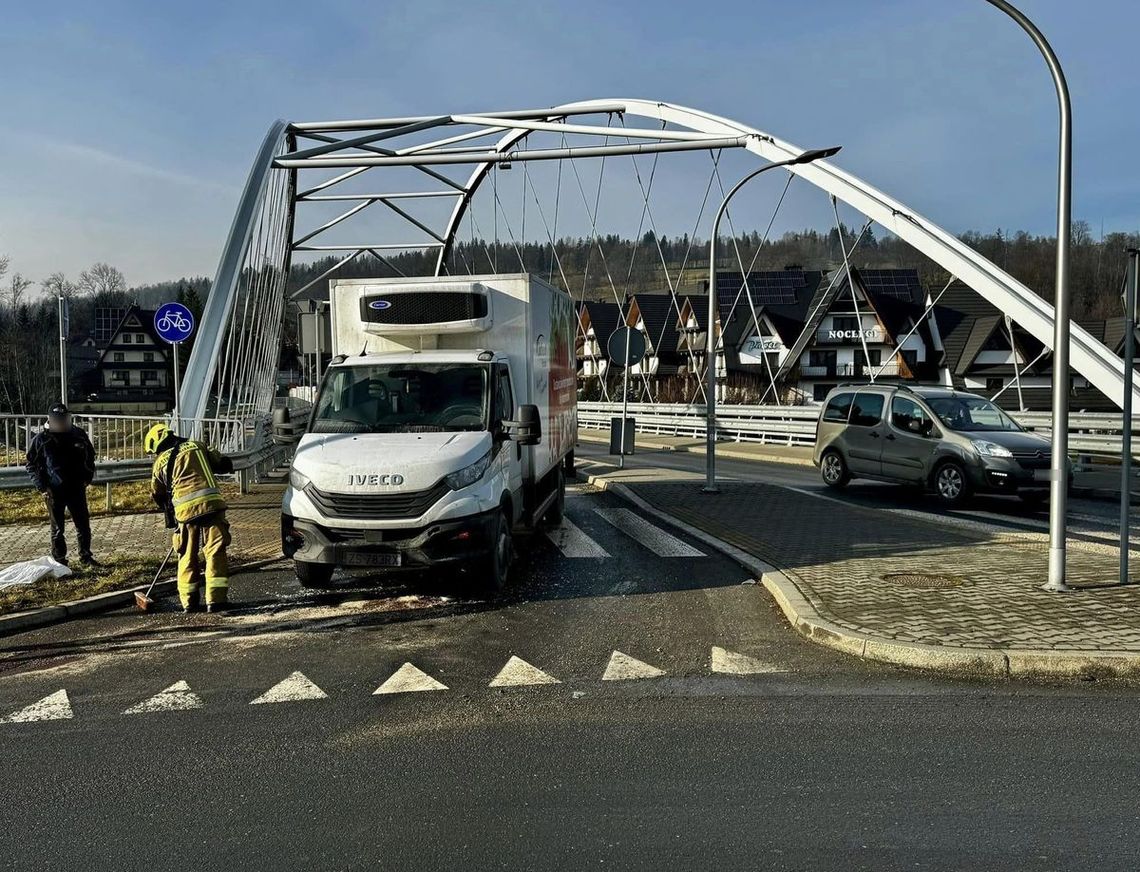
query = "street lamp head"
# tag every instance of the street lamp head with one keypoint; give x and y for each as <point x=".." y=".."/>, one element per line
<point x="817" y="154"/>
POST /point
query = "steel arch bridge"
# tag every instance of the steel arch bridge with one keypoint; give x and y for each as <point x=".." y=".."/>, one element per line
<point x="233" y="367"/>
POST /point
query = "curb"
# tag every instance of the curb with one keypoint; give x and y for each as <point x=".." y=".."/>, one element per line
<point x="723" y="449"/>
<point x="19" y="622"/>
<point x="807" y="620"/>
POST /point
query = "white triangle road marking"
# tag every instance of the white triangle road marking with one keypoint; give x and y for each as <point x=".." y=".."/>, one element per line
<point x="178" y="697"/>
<point x="732" y="663"/>
<point x="409" y="679"/>
<point x="652" y="537"/>
<point x="622" y="667"/>
<point x="293" y="689"/>
<point x="54" y="707"/>
<point x="572" y="542"/>
<point x="519" y="673"/>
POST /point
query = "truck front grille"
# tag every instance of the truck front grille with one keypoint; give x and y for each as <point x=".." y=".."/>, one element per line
<point x="379" y="507"/>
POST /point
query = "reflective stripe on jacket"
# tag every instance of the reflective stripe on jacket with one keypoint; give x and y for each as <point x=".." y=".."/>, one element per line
<point x="193" y="491"/>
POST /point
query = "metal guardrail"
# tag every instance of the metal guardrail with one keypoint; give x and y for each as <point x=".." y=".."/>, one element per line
<point x="1090" y="433"/>
<point x="116" y="437"/>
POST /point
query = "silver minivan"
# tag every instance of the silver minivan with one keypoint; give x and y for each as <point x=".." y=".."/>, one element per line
<point x="951" y="442"/>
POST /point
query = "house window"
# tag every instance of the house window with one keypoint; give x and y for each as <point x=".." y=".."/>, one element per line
<point x="993" y="385"/>
<point x="819" y="393"/>
<point x="120" y="357"/>
<point x="126" y="339"/>
<point x="120" y="375"/>
<point x="875" y="354"/>
<point x="140" y="339"/>
<point x="844" y="322"/>
<point x="910" y="358"/>
<point x="148" y="357"/>
<point x="149" y="377"/>
<point x="821" y="358"/>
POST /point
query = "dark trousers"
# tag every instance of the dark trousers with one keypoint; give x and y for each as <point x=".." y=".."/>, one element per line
<point x="72" y="500"/>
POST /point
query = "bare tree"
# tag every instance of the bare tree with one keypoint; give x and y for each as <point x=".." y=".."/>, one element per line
<point x="102" y="281"/>
<point x="4" y="261"/>
<point x="59" y="285"/>
<point x="14" y="293"/>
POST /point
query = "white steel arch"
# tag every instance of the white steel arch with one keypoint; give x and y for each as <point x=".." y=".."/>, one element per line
<point x="1089" y="357"/>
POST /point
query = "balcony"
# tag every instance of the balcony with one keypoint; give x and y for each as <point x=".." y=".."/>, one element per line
<point x="851" y="370"/>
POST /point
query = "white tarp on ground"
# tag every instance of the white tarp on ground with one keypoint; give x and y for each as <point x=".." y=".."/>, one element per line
<point x="31" y="571"/>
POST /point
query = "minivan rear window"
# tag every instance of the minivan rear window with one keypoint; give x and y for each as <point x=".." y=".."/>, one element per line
<point x="837" y="408"/>
<point x="867" y="411"/>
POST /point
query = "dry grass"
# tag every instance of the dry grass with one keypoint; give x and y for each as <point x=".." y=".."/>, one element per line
<point x="25" y="506"/>
<point x="125" y="572"/>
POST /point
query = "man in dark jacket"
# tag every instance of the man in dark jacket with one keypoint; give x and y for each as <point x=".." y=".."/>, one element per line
<point x="61" y="463"/>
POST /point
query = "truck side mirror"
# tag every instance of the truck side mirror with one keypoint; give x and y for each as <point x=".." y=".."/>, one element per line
<point x="283" y="429"/>
<point x="527" y="428"/>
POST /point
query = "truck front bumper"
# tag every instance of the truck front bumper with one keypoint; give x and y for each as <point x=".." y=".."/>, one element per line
<point x="444" y="542"/>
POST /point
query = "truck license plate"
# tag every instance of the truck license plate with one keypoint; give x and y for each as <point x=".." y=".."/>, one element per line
<point x="371" y="558"/>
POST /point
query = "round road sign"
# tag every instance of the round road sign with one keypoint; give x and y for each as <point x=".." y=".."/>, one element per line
<point x="173" y="322"/>
<point x="626" y="346"/>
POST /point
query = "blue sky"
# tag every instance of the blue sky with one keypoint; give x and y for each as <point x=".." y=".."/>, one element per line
<point x="132" y="124"/>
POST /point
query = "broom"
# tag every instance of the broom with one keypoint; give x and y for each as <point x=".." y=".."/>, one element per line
<point x="143" y="600"/>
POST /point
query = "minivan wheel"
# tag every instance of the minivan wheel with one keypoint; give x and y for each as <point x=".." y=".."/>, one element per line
<point x="951" y="485"/>
<point x="833" y="470"/>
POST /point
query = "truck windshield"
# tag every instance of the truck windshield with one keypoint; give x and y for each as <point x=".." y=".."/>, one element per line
<point x="971" y="414"/>
<point x="403" y="398"/>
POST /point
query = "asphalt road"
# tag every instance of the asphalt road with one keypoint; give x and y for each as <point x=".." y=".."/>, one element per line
<point x="659" y="715"/>
<point x="1089" y="520"/>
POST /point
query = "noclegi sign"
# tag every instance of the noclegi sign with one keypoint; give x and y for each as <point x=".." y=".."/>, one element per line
<point x="871" y="334"/>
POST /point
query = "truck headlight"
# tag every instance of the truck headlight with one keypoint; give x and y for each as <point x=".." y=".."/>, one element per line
<point x="469" y="474"/>
<point x="297" y="480"/>
<point x="991" y="449"/>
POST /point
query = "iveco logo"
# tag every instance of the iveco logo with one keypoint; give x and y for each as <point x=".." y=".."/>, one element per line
<point x="380" y="304"/>
<point x="393" y="479"/>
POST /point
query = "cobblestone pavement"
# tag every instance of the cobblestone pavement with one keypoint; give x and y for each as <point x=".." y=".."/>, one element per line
<point x="255" y="523"/>
<point x="841" y="556"/>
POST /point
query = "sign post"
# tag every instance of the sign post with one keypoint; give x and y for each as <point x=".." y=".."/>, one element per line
<point x="626" y="348"/>
<point x="174" y="323"/>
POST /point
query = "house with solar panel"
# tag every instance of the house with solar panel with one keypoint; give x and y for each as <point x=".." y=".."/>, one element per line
<point x="877" y="323"/>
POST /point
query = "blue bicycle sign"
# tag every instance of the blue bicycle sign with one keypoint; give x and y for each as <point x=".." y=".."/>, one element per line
<point x="173" y="322"/>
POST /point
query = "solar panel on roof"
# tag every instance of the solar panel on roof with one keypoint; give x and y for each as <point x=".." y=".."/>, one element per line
<point x="902" y="284"/>
<point x="767" y="288"/>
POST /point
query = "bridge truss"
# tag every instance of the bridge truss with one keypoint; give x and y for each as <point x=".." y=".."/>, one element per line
<point x="316" y="187"/>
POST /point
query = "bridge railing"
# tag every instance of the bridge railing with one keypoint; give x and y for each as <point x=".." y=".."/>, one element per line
<point x="117" y="437"/>
<point x="1090" y="433"/>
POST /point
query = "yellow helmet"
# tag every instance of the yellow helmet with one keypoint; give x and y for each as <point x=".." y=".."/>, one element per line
<point x="155" y="436"/>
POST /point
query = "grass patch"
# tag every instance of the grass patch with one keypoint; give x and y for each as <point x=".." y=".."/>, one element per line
<point x="26" y="506"/>
<point x="123" y="572"/>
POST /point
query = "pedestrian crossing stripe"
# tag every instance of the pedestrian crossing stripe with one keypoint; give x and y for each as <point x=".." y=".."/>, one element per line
<point x="572" y="542"/>
<point x="177" y="697"/>
<point x="293" y="689"/>
<point x="409" y="679"/>
<point x="622" y="667"/>
<point x="54" y="707"/>
<point x="519" y="673"/>
<point x="660" y="542"/>
<point x="732" y="663"/>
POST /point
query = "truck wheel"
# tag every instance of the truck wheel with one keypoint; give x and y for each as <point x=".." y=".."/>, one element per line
<point x="557" y="510"/>
<point x="315" y="575"/>
<point x="491" y="571"/>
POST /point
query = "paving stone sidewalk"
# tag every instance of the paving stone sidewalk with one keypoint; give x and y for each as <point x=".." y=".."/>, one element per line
<point x="255" y="523"/>
<point x="839" y="555"/>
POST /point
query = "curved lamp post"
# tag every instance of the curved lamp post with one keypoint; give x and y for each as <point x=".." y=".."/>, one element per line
<point x="1059" y="470"/>
<point x="710" y="339"/>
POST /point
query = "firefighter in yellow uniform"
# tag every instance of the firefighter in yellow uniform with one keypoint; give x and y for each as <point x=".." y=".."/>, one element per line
<point x="184" y="486"/>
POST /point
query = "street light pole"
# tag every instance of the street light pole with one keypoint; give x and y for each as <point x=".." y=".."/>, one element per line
<point x="1059" y="471"/>
<point x="710" y="340"/>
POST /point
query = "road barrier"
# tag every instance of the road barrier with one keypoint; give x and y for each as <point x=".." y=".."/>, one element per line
<point x="1090" y="433"/>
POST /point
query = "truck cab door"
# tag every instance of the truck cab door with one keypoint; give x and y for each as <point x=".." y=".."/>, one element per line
<point x="509" y="452"/>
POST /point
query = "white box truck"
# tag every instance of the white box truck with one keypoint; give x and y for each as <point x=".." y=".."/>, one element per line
<point x="446" y="420"/>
